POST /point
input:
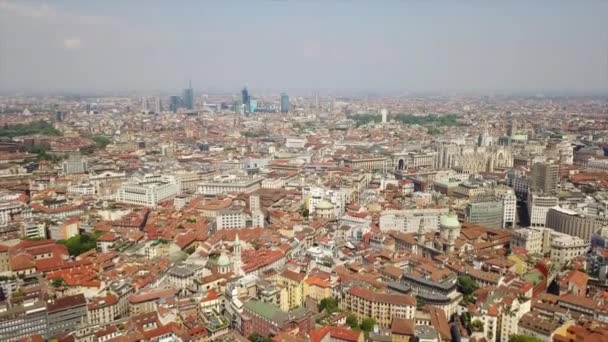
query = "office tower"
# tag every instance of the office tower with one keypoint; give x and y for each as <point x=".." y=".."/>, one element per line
<point x="384" y="113"/>
<point x="253" y="106"/>
<point x="284" y="103"/>
<point x="545" y="177"/>
<point x="144" y="105"/>
<point x="88" y="108"/>
<point x="174" y="103"/>
<point x="487" y="213"/>
<point x="245" y="98"/>
<point x="158" y="106"/>
<point x="188" y="97"/>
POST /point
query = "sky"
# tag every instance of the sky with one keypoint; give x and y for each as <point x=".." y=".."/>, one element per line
<point x="304" y="46"/>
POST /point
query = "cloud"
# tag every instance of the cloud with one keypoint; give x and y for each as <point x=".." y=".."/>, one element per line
<point x="72" y="43"/>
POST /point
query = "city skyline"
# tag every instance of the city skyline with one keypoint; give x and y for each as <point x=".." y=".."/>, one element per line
<point x="400" y="47"/>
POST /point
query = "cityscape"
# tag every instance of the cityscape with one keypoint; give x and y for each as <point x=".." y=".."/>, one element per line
<point x="322" y="203"/>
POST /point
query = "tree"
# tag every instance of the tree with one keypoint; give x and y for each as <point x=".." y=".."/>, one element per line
<point x="58" y="282"/>
<point x="101" y="141"/>
<point x="420" y="303"/>
<point x="255" y="337"/>
<point x="329" y="304"/>
<point x="524" y="338"/>
<point x="477" y="325"/>
<point x="466" y="285"/>
<point x="351" y="321"/>
<point x="80" y="243"/>
<point x="367" y="324"/>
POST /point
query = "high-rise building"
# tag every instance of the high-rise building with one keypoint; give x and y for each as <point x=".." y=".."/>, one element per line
<point x="188" y="97"/>
<point x="245" y="99"/>
<point x="158" y="106"/>
<point x="284" y="103"/>
<point x="384" y="113"/>
<point x="253" y="106"/>
<point x="144" y="104"/>
<point x="545" y="177"/>
<point x="174" y="103"/>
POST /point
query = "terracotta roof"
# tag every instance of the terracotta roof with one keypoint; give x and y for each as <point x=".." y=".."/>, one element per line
<point x="154" y="294"/>
<point x="402" y="326"/>
<point x="293" y="276"/>
<point x="372" y="296"/>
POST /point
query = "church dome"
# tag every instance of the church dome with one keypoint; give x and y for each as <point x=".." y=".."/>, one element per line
<point x="223" y="260"/>
<point x="449" y="220"/>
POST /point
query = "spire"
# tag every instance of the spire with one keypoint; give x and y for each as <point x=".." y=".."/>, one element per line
<point x="236" y="239"/>
<point x="189" y="83"/>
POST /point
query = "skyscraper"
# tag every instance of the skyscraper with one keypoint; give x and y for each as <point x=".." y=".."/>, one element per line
<point x="245" y="98"/>
<point x="284" y="103"/>
<point x="188" y="97"/>
<point x="174" y="103"/>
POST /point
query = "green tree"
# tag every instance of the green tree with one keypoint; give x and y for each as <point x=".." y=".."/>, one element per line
<point x="255" y="337"/>
<point x="367" y="324"/>
<point x="58" y="282"/>
<point x="466" y="285"/>
<point x="524" y="338"/>
<point x="329" y="304"/>
<point x="351" y="321"/>
<point x="35" y="127"/>
<point x="420" y="303"/>
<point x="101" y="141"/>
<point x="477" y="325"/>
<point x="80" y="243"/>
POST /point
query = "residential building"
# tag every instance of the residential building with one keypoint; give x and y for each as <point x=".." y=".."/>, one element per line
<point x="292" y="289"/>
<point x="382" y="307"/>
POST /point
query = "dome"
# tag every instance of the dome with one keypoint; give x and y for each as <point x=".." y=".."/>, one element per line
<point x="324" y="204"/>
<point x="223" y="260"/>
<point x="449" y="220"/>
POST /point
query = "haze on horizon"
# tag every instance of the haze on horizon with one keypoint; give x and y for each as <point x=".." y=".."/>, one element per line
<point x="300" y="46"/>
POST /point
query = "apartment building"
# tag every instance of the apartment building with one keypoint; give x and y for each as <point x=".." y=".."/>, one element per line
<point x="382" y="307"/>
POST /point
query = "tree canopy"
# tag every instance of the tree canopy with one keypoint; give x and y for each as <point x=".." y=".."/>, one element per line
<point x="466" y="285"/>
<point x="35" y="127"/>
<point x="255" y="337"/>
<point x="367" y="324"/>
<point x="80" y="243"/>
<point x="351" y="321"/>
<point x="329" y="304"/>
<point x="524" y="338"/>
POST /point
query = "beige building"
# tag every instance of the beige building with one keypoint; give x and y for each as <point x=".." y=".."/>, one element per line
<point x="572" y="223"/>
<point x="382" y="307"/>
<point x="292" y="289"/>
<point x="565" y="247"/>
<point x="102" y="310"/>
<point x="545" y="177"/>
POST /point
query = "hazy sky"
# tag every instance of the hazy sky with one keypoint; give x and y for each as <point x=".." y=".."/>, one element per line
<point x="425" y="45"/>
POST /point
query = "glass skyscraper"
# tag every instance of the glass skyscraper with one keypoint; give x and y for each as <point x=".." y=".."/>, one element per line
<point x="188" y="97"/>
<point x="245" y="98"/>
<point x="284" y="103"/>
